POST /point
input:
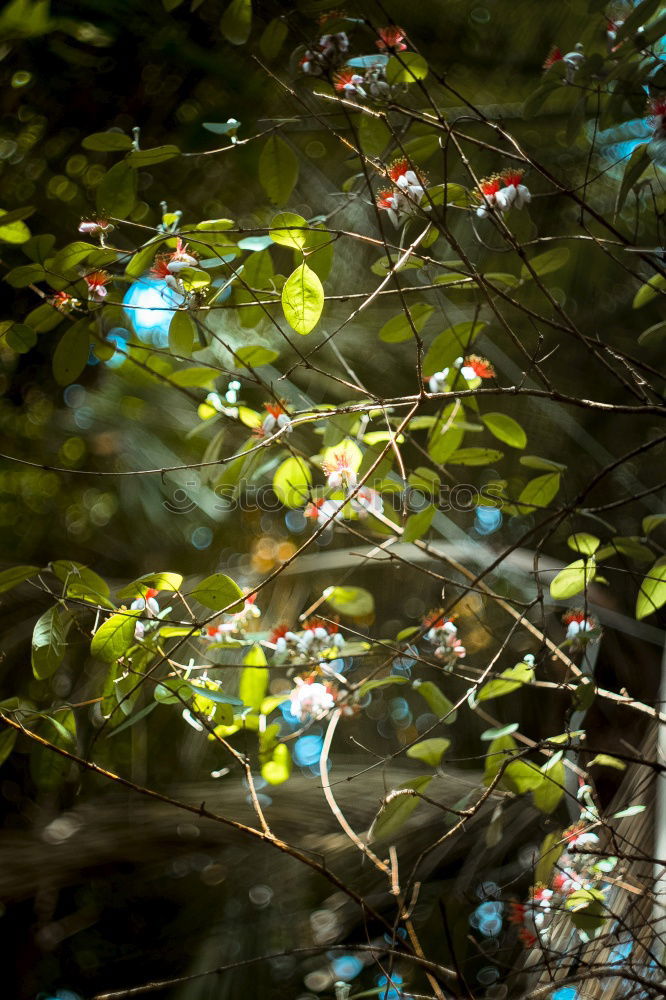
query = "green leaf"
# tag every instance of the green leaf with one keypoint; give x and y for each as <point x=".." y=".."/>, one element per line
<point x="581" y="542"/>
<point x="498" y="751"/>
<point x="451" y="343"/>
<point x="195" y="378"/>
<point x="26" y="274"/>
<point x="44" y="318"/>
<point x="573" y="579"/>
<point x="381" y="682"/>
<point x="116" y="192"/>
<point x="649" y="290"/>
<point x="445" y="437"/>
<point x="546" y="263"/>
<point x="408" y="67"/>
<point x="652" y="521"/>
<point x="107" y="142"/>
<point x="535" y="462"/>
<point x="417" y="524"/>
<point x="552" y="846"/>
<point x="508" y="681"/>
<point x="303" y="299"/>
<point x="236" y="22"/>
<point x="10" y="578"/>
<point x="71" y="353"/>
<point x="254" y="678"/>
<point x="76" y="575"/>
<point x="156" y="581"/>
<point x="13" y="232"/>
<point x="278" y="169"/>
<point x="49" y="640"/>
<point x="475" y="456"/>
<point x="355" y="602"/>
<point x="278" y="768"/>
<point x="150" y="157"/>
<point x="19" y="337"/>
<point x="374" y="136"/>
<point x="655" y="332"/>
<point x="289" y="230"/>
<point x="182" y="332"/>
<point x="630" y="811"/>
<point x="493" y="734"/>
<point x="605" y="760"/>
<point x="218" y="591"/>
<point x="292" y="482"/>
<point x="399" y="328"/>
<point x="548" y="795"/>
<point x="652" y="594"/>
<point x="8" y="738"/>
<point x="539" y="492"/>
<point x="437" y="701"/>
<point x="505" y="429"/>
<point x="520" y="777"/>
<point x="584" y="694"/>
<point x="587" y="909"/>
<point x="397" y="811"/>
<point x="255" y="355"/>
<point x="114" y="636"/>
<point x="272" y="38"/>
<point x="636" y="164"/>
<point x="637" y="17"/>
<point x="429" y="751"/>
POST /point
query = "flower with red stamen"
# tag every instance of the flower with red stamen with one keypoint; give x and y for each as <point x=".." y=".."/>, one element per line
<point x="516" y="914"/>
<point x="276" y="418"/>
<point x="480" y="367"/>
<point x="486" y="194"/>
<point x="97" y="282"/>
<point x="340" y="471"/>
<point x="278" y="632"/>
<point x="160" y="268"/>
<point x="578" y="623"/>
<point x="151" y="592"/>
<point x="322" y="511"/>
<point x="391" y="39"/>
<point x="554" y="56"/>
<point x="578" y="837"/>
<point x="512" y="177"/>
<point x="63" y="301"/>
<point x="348" y="82"/>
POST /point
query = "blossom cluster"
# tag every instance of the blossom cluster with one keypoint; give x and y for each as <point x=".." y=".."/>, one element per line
<point x="404" y="197"/>
<point x="502" y="192"/>
<point x="443" y="635"/>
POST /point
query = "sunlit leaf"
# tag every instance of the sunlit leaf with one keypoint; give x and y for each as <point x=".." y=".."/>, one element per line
<point x="508" y="681"/>
<point x="182" y="333"/>
<point x="303" y="299"/>
<point x="546" y="263"/>
<point x="539" y="492"/>
<point x="114" y="636"/>
<point x="429" y="751"/>
<point x="397" y="811"/>
<point x="355" y="602"/>
<point x="505" y="429"/>
<point x="254" y="678"/>
<point x="150" y="157"/>
<point x="436" y="700"/>
<point x="652" y="594"/>
<point x="216" y="592"/>
<point x="408" y="67"/>
<point x="573" y="579"/>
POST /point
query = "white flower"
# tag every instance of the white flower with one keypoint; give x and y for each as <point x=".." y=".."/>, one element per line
<point x="339" y="472"/>
<point x="322" y="511"/>
<point x="310" y="699"/>
<point x="368" y="501"/>
<point x="437" y="382"/>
